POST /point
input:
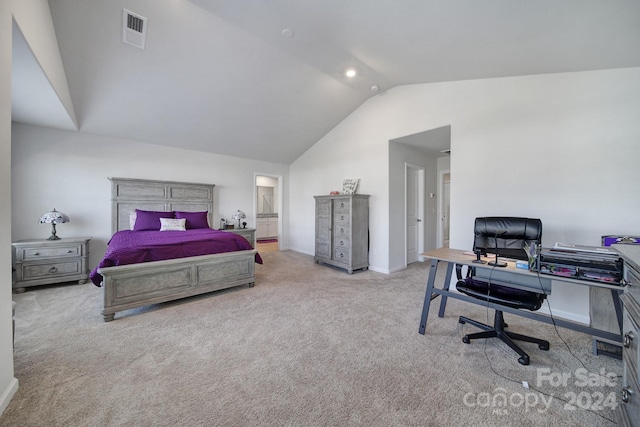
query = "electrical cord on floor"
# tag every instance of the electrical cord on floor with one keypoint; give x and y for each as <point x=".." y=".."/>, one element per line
<point x="559" y="336"/>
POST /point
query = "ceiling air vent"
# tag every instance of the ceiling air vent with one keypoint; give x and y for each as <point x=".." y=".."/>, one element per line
<point x="134" y="28"/>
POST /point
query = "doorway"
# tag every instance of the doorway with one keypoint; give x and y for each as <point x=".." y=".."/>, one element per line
<point x="444" y="209"/>
<point x="268" y="209"/>
<point x="414" y="209"/>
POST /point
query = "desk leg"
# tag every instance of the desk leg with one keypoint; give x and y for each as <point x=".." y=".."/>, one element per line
<point x="447" y="281"/>
<point x="615" y="294"/>
<point x="428" y="296"/>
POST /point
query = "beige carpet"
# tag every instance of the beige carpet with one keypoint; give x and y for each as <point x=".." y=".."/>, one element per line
<point x="307" y="346"/>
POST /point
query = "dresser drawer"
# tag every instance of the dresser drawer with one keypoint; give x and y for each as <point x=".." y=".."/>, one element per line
<point x="35" y="253"/>
<point x="342" y="231"/>
<point x="342" y="205"/>
<point x="60" y="268"/>
<point x="630" y="397"/>
<point x="341" y="255"/>
<point x="341" y="218"/>
<point x="633" y="280"/>
<point x="342" y="243"/>
<point x="630" y="343"/>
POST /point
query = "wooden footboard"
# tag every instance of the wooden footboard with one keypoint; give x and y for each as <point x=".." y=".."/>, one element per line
<point x="137" y="285"/>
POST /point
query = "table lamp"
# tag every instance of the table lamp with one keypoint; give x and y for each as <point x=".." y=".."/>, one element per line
<point x="239" y="215"/>
<point x="54" y="217"/>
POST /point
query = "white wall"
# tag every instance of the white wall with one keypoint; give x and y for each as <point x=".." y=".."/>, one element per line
<point x="69" y="170"/>
<point x="8" y="384"/>
<point x="560" y="147"/>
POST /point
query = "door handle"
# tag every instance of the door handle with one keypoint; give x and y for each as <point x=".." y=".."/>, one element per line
<point x="419" y="220"/>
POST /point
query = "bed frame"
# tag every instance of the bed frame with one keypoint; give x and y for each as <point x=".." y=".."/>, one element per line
<point x="137" y="285"/>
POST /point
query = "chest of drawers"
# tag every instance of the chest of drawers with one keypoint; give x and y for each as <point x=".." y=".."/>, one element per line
<point x="44" y="262"/>
<point x="628" y="413"/>
<point x="342" y="231"/>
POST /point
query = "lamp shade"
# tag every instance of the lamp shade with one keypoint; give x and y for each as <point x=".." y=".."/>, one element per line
<point x="54" y="217"/>
<point x="239" y="215"/>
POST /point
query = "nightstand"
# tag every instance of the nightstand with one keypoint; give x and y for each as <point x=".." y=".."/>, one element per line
<point x="247" y="233"/>
<point x="43" y="262"/>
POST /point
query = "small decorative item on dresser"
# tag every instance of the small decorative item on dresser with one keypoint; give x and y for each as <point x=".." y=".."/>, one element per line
<point x="244" y="225"/>
<point x="349" y="186"/>
<point x="54" y="217"/>
<point x="239" y="215"/>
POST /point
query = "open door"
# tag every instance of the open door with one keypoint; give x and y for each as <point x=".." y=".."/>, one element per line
<point x="414" y="188"/>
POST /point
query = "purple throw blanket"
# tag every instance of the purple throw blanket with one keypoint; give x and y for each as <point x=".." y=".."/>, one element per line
<point x="133" y="247"/>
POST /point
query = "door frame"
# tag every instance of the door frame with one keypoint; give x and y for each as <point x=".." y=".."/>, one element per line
<point x="440" y="228"/>
<point x="421" y="211"/>
<point x="280" y="202"/>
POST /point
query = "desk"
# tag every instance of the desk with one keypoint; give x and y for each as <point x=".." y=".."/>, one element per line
<point x="508" y="276"/>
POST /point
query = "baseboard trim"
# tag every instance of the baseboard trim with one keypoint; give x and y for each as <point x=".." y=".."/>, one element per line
<point x="565" y="315"/>
<point x="395" y="270"/>
<point x="8" y="394"/>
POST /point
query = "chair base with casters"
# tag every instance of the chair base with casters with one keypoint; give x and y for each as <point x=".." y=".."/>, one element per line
<point x="505" y="296"/>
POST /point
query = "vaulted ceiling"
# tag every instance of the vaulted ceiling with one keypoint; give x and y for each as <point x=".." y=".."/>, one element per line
<point x="222" y="76"/>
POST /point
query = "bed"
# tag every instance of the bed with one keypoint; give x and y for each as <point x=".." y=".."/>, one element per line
<point x="143" y="283"/>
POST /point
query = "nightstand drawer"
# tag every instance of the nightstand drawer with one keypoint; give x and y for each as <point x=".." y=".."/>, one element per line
<point x="61" y="268"/>
<point x="34" y="253"/>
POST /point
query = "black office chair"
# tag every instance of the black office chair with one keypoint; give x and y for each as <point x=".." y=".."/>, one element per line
<point x="507" y="237"/>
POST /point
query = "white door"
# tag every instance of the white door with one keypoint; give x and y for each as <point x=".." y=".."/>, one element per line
<point x="414" y="219"/>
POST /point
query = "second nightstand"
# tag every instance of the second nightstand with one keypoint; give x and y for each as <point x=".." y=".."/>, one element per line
<point x="247" y="233"/>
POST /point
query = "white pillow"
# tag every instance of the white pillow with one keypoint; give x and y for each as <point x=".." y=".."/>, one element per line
<point x="171" y="224"/>
<point x="132" y="219"/>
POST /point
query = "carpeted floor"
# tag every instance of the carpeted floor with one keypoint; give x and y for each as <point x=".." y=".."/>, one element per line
<point x="307" y="346"/>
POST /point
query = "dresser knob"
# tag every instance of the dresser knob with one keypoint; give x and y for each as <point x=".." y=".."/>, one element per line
<point x="628" y="337"/>
<point x="341" y="217"/>
<point x="342" y="205"/>
<point x="53" y="269"/>
<point x="36" y="253"/>
<point x="69" y="251"/>
<point x="626" y="394"/>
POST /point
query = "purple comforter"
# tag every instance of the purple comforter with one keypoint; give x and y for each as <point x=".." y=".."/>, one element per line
<point x="133" y="247"/>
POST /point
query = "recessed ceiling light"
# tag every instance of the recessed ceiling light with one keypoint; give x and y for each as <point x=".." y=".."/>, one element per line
<point x="350" y="72"/>
<point x="287" y="33"/>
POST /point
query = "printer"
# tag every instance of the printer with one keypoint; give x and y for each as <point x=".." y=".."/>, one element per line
<point x="595" y="263"/>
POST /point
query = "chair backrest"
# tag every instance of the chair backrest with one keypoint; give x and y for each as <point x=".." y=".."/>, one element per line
<point x="507" y="235"/>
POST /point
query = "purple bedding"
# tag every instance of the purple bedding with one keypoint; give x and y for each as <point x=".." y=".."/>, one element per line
<point x="133" y="247"/>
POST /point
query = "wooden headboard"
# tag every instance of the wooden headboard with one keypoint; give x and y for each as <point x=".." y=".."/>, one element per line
<point x="128" y="194"/>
